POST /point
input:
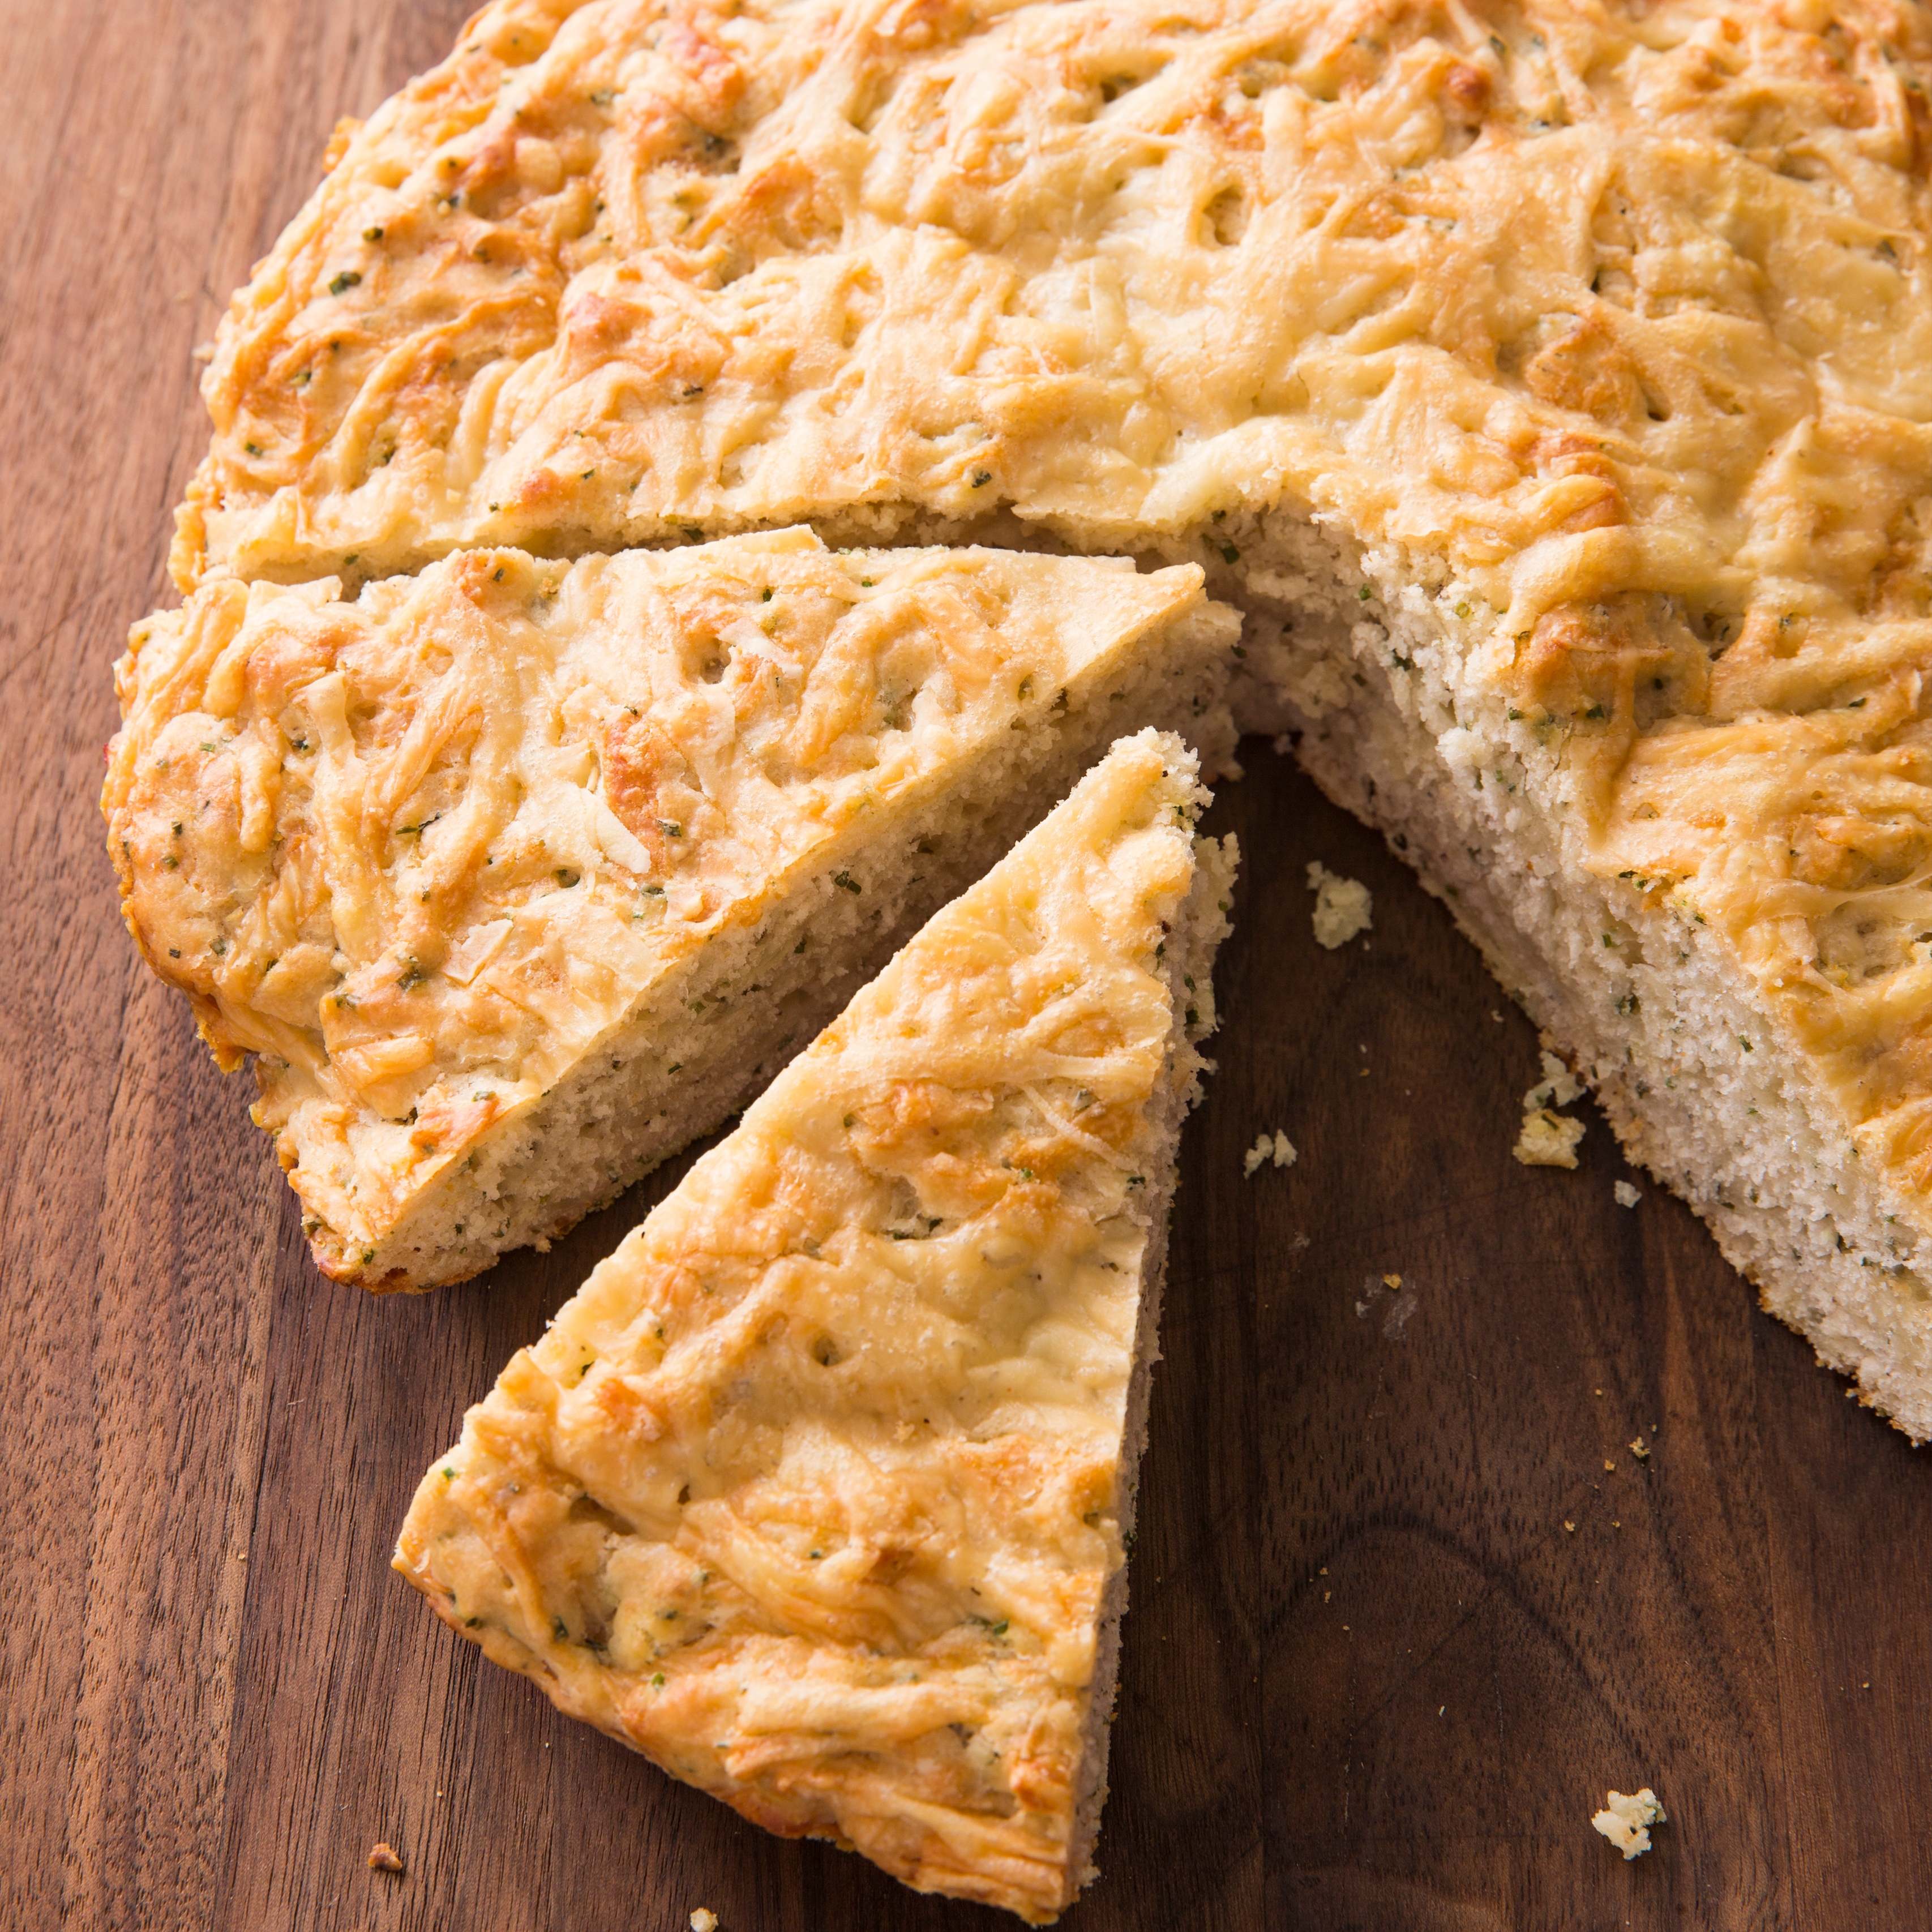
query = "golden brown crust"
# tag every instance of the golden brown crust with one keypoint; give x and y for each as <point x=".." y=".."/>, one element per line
<point x="813" y="1492"/>
<point x="1480" y="283"/>
<point x="1610" y="322"/>
<point x="420" y="854"/>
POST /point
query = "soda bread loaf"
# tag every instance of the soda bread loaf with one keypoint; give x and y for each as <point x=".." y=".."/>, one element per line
<point x="516" y="876"/>
<point x="819" y="1491"/>
<point x="1551" y="383"/>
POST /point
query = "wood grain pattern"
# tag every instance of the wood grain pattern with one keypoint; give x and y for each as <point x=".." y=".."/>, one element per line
<point x="1372" y="1678"/>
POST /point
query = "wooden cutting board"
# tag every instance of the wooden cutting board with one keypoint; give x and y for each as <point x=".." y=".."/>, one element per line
<point x="1404" y="1603"/>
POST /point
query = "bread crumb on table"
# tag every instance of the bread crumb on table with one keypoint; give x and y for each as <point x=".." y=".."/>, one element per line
<point x="703" y="1920"/>
<point x="1547" y="1138"/>
<point x="1626" y="1822"/>
<point x="1342" y="907"/>
<point x="1557" y="1088"/>
<point x="384" y="1858"/>
<point x="1628" y="1196"/>
<point x="1275" y="1147"/>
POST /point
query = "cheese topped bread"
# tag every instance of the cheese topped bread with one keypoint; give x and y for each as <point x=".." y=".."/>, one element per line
<point x="1543" y="292"/>
<point x="818" y="1492"/>
<point x="1551" y="382"/>
<point x="517" y="875"/>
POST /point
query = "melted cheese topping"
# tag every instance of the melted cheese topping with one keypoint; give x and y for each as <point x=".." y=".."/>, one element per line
<point x="1612" y="321"/>
<point x="420" y="852"/>
<point x="811" y="1493"/>
<point x="1548" y="294"/>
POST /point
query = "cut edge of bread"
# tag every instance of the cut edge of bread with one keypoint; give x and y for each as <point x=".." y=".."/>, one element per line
<point x="1385" y="711"/>
<point x="1203" y="923"/>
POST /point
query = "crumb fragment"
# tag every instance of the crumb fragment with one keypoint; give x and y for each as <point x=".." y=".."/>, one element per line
<point x="703" y="1920"/>
<point x="1557" y="1088"/>
<point x="1628" y="1196"/>
<point x="384" y="1858"/>
<point x="1640" y="1450"/>
<point x="1547" y="1138"/>
<point x="1626" y="1822"/>
<point x="1275" y="1147"/>
<point x="1342" y="907"/>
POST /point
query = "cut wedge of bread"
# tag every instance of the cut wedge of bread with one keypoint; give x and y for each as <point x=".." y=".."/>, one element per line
<point x="517" y="876"/>
<point x="1552" y="384"/>
<point x="818" y="1492"/>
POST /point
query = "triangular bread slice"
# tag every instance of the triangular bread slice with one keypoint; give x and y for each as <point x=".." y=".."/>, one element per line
<point x="517" y="875"/>
<point x="1550" y="383"/>
<point x="819" y="1491"/>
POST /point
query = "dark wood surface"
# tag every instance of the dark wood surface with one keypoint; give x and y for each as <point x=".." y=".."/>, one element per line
<point x="1372" y="1678"/>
